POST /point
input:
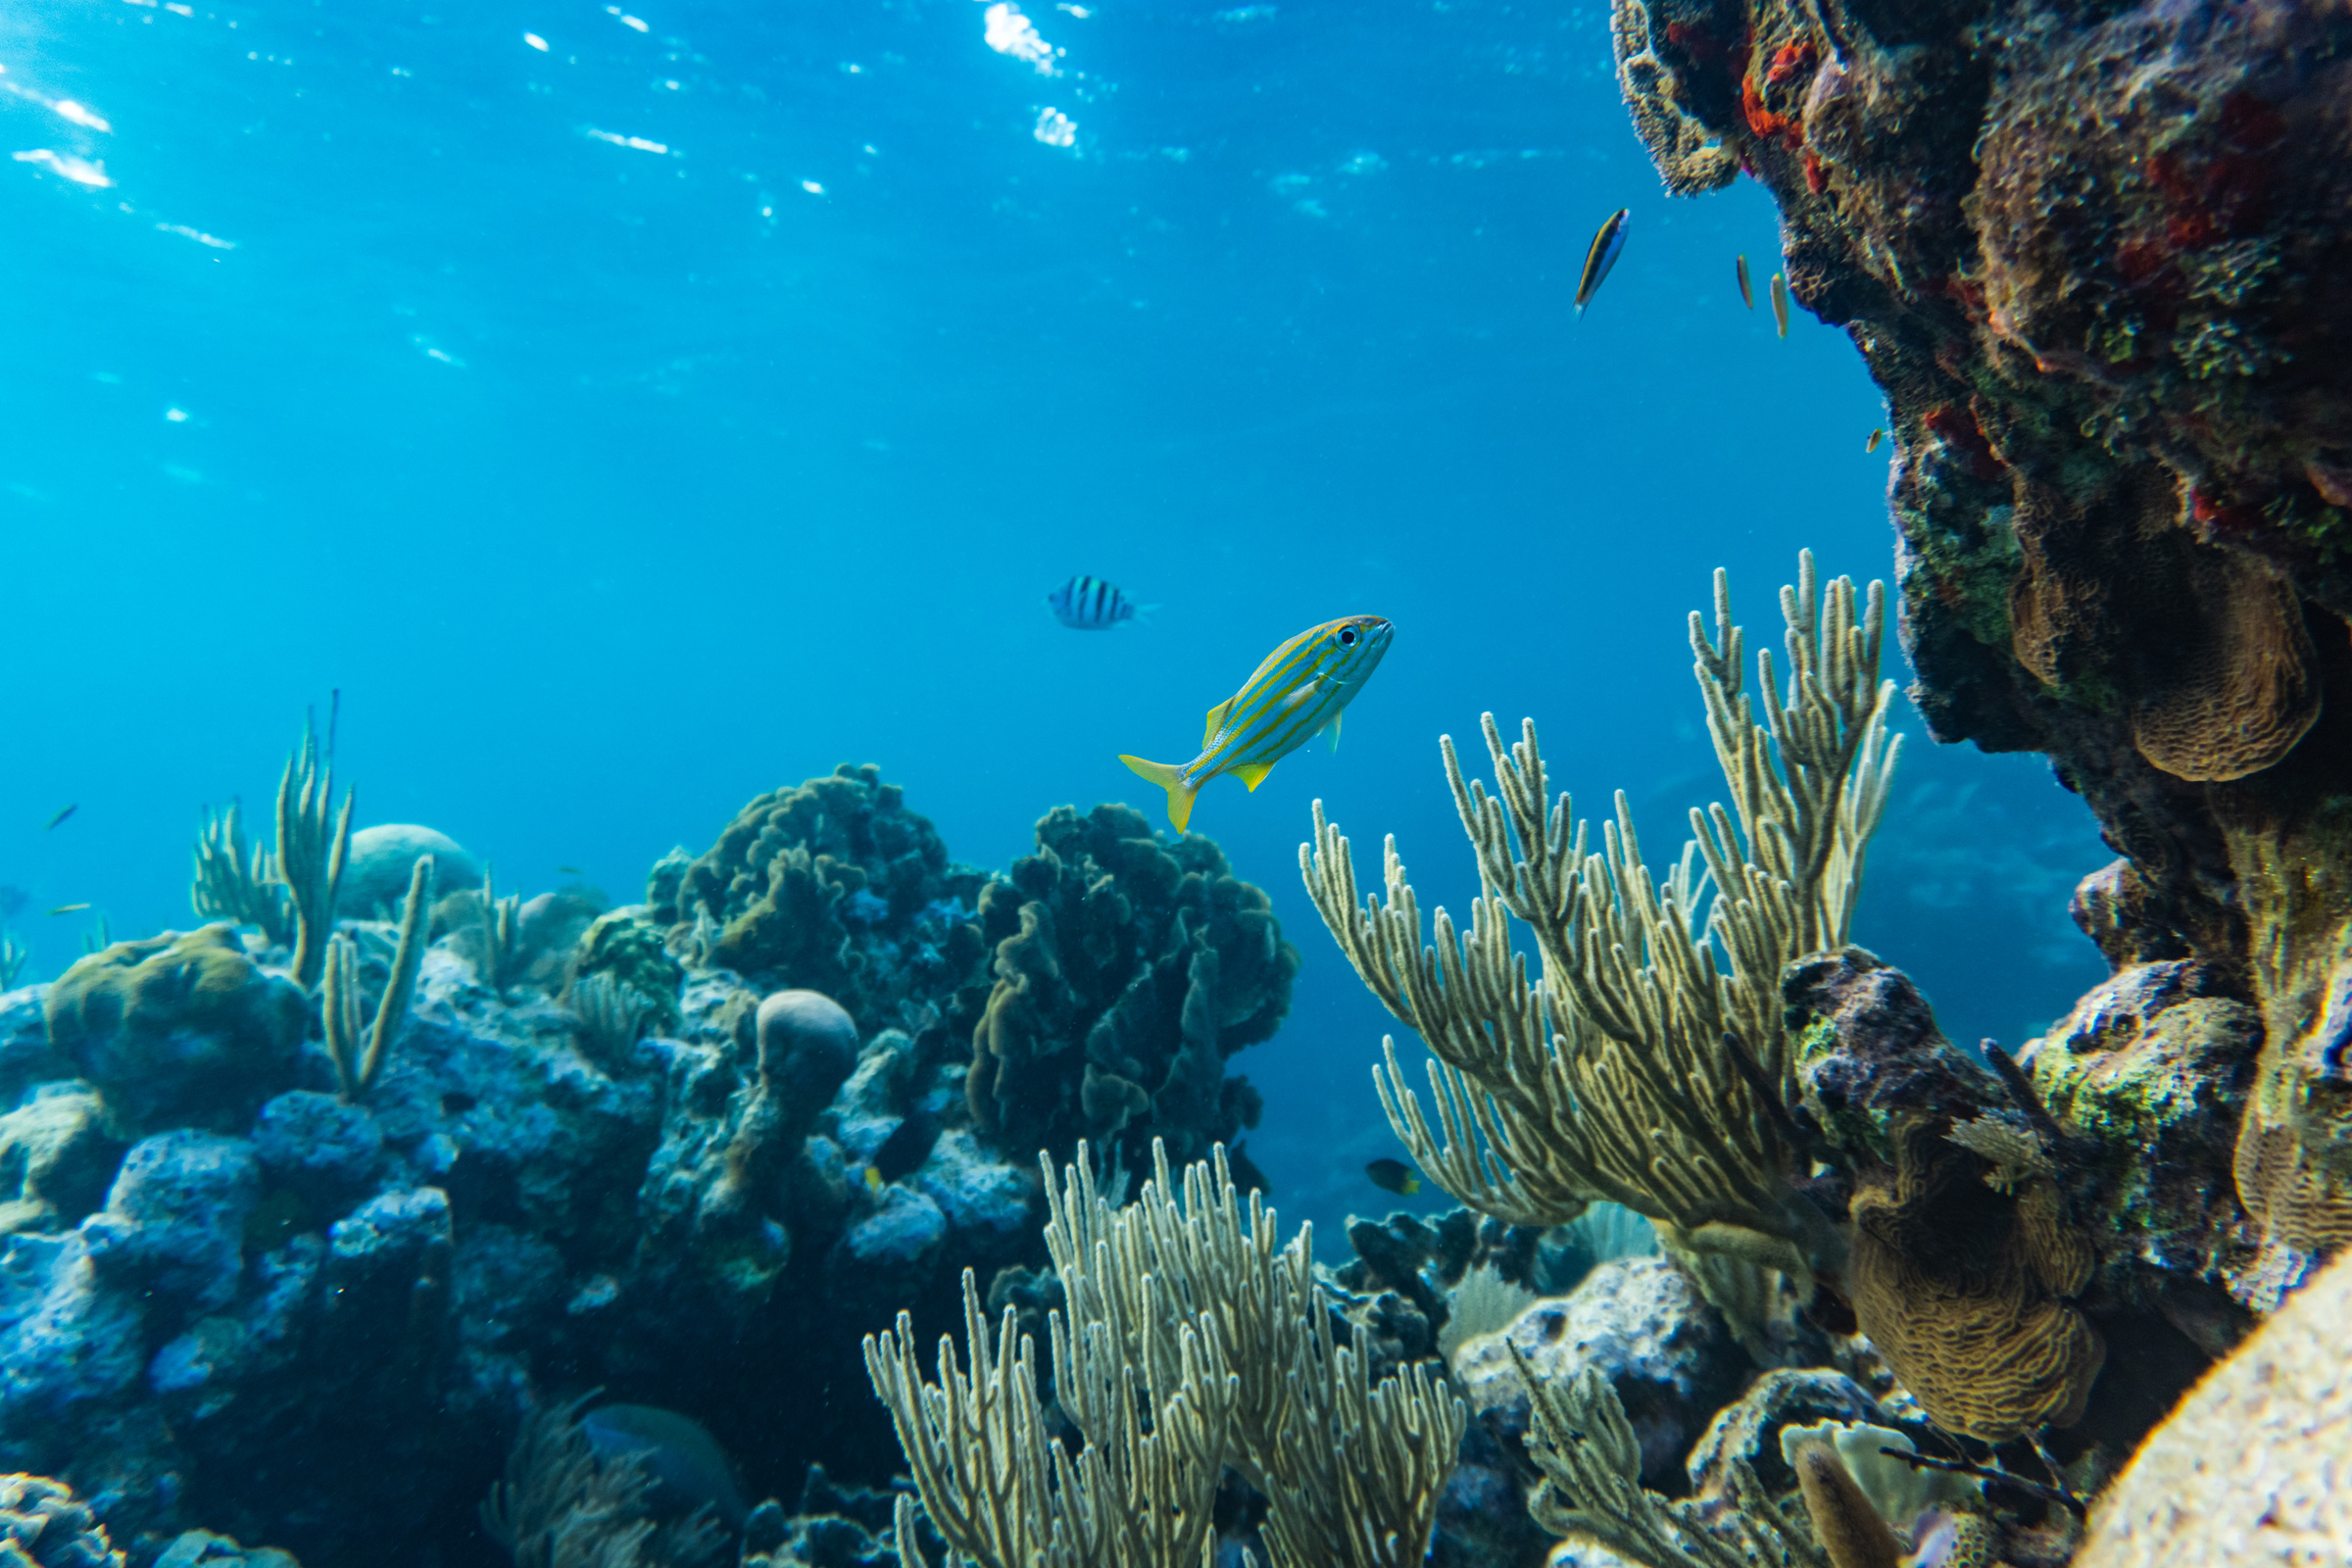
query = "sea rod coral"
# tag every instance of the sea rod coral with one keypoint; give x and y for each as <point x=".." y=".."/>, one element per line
<point x="1648" y="1065"/>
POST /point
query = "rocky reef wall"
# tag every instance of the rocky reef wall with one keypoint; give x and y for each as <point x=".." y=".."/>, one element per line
<point x="2094" y="255"/>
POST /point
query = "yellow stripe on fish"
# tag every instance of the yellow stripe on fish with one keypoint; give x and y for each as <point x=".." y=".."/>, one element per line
<point x="1299" y="688"/>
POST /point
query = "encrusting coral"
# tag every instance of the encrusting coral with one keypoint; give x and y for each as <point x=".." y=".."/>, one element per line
<point x="1650" y="1063"/>
<point x="1186" y="1342"/>
<point x="43" y="1525"/>
<point x="1128" y="968"/>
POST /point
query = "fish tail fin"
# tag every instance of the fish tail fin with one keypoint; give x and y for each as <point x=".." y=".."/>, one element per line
<point x="1168" y="777"/>
<point x="1144" y="613"/>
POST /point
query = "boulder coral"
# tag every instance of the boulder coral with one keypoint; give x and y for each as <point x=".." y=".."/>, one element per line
<point x="1128" y="968"/>
<point x="2091" y="256"/>
<point x="180" y="1026"/>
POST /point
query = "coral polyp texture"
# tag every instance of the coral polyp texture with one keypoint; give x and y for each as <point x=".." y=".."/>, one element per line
<point x="1128" y="968"/>
<point x="2093" y="257"/>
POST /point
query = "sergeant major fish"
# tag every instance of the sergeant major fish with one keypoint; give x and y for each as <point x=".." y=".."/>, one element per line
<point x="1299" y="688"/>
<point x="1089" y="604"/>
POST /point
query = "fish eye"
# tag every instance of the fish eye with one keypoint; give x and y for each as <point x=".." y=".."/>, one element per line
<point x="1348" y="638"/>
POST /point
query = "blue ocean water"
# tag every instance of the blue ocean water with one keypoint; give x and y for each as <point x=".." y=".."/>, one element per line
<point x="628" y="410"/>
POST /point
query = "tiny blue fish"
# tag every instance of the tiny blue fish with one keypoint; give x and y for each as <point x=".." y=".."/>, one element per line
<point x="1299" y="690"/>
<point x="1601" y="256"/>
<point x="1089" y="604"/>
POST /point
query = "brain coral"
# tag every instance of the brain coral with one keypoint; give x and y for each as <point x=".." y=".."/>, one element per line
<point x="1128" y="968"/>
<point x="833" y="886"/>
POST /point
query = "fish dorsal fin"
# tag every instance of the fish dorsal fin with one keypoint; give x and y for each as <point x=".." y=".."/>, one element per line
<point x="1330" y="731"/>
<point x="1216" y="719"/>
<point x="1253" y="774"/>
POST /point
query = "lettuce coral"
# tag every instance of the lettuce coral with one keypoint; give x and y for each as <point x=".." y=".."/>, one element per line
<point x="1128" y="968"/>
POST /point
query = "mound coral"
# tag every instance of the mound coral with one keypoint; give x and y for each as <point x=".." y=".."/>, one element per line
<point x="1128" y="968"/>
<point x="182" y="1027"/>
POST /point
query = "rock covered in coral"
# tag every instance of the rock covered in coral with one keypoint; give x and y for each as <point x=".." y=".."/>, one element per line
<point x="177" y="1030"/>
<point x="834" y="886"/>
<point x="1128" y="968"/>
<point x="2250" y="1468"/>
<point x="1748" y="1431"/>
<point x="2152" y="1068"/>
<point x="201" y="1549"/>
<point x="1966" y="1263"/>
<point x="1642" y="1324"/>
<point x="43" y="1525"/>
<point x="58" y="1155"/>
<point x="2089" y="254"/>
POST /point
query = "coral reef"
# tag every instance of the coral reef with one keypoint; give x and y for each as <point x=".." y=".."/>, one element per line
<point x="1127" y="970"/>
<point x="43" y="1525"/>
<point x="177" y="1030"/>
<point x="834" y="886"/>
<point x="1648" y="1065"/>
<point x="2089" y="254"/>
<point x="1191" y="1342"/>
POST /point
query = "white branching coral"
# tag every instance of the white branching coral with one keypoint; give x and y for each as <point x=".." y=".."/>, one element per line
<point x="1646" y="1063"/>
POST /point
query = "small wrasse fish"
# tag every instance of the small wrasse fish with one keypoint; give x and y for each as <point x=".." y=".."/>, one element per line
<point x="1089" y="604"/>
<point x="1780" y="302"/>
<point x="1601" y="258"/>
<point x="1872" y="444"/>
<point x="569" y="870"/>
<point x="1394" y="1176"/>
<point x="1299" y="688"/>
<point x="1747" y="296"/>
<point x="62" y="815"/>
<point x="69" y="908"/>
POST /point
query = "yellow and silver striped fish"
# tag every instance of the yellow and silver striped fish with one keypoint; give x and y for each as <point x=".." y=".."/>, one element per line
<point x="1299" y="690"/>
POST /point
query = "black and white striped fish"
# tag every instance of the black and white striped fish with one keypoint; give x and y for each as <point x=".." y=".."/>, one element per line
<point x="1089" y="604"/>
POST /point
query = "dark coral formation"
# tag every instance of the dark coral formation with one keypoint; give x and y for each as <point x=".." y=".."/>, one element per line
<point x="1128" y="968"/>
<point x="1965" y="1264"/>
<point x="832" y="884"/>
<point x="2093" y="255"/>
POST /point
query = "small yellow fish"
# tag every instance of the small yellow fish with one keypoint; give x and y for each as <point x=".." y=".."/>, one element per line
<point x="1394" y="1176"/>
<point x="1872" y="444"/>
<point x="1780" y="302"/>
<point x="62" y="815"/>
<point x="1606" y="245"/>
<point x="873" y="1180"/>
<point x="1747" y="296"/>
<point x="69" y="908"/>
<point x="1297" y="690"/>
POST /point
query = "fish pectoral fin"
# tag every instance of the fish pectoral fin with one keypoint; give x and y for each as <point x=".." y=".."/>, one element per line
<point x="1307" y="690"/>
<point x="1331" y="732"/>
<point x="1216" y="719"/>
<point x="1253" y="774"/>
